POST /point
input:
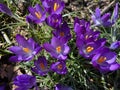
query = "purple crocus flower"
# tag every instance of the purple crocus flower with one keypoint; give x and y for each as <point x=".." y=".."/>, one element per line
<point x="105" y="60"/>
<point x="115" y="13"/>
<point x="26" y="49"/>
<point x="82" y="29"/>
<point x="115" y="45"/>
<point x="37" y="14"/>
<point x="59" y="67"/>
<point x="5" y="9"/>
<point x="54" y="20"/>
<point x="88" y="49"/>
<point x="40" y="66"/>
<point x="101" y="20"/>
<point x="62" y="87"/>
<point x="63" y="32"/>
<point x="58" y="49"/>
<point x="53" y="6"/>
<point x="24" y="82"/>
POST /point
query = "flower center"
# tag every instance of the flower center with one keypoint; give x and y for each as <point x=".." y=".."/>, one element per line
<point x="59" y="66"/>
<point x="101" y="59"/>
<point x="42" y="66"/>
<point x="27" y="50"/>
<point x="62" y="34"/>
<point x="56" y="20"/>
<point x="56" y="6"/>
<point x="89" y="49"/>
<point x="58" y="49"/>
<point x="38" y="15"/>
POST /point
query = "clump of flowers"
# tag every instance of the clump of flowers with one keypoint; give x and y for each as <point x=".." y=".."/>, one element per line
<point x="88" y="42"/>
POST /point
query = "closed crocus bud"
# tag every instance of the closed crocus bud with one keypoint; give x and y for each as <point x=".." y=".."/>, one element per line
<point x="115" y="13"/>
<point x="103" y="20"/>
<point x="115" y="45"/>
<point x="62" y="87"/>
<point x="5" y="9"/>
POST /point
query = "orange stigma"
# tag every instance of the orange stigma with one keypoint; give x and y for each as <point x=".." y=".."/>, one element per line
<point x="56" y="6"/>
<point x="59" y="66"/>
<point x="62" y="34"/>
<point x="101" y="59"/>
<point x="38" y="15"/>
<point x="27" y="50"/>
<point x="42" y="66"/>
<point x="89" y="49"/>
<point x="58" y="49"/>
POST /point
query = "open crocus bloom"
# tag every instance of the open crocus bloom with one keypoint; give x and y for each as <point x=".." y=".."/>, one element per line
<point x="88" y="49"/>
<point x="59" y="67"/>
<point x="53" y="6"/>
<point x="54" y="20"/>
<point x="40" y="66"/>
<point x="63" y="32"/>
<point x="58" y="49"/>
<point x="105" y="60"/>
<point x="26" y="49"/>
<point x="37" y="15"/>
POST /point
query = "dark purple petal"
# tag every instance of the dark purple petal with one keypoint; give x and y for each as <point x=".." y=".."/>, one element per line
<point x="5" y="9"/>
<point x="62" y="87"/>
<point x="25" y="81"/>
<point x="106" y="17"/>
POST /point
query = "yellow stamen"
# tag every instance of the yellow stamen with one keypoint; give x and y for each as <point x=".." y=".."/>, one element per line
<point x="101" y="59"/>
<point x="62" y="34"/>
<point x="38" y="15"/>
<point x="86" y="37"/>
<point x="89" y="49"/>
<point x="59" y="66"/>
<point x="42" y="66"/>
<point x="58" y="49"/>
<point x="27" y="50"/>
<point x="56" y="6"/>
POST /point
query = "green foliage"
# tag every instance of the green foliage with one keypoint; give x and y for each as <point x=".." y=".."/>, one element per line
<point x="81" y="74"/>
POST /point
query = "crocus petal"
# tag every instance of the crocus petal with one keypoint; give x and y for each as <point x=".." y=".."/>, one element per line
<point x="21" y="40"/>
<point x="49" y="47"/>
<point x="16" y="49"/>
<point x="106" y="17"/>
<point x="5" y="9"/>
<point x="14" y="59"/>
<point x="114" y="66"/>
<point x="98" y="13"/>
